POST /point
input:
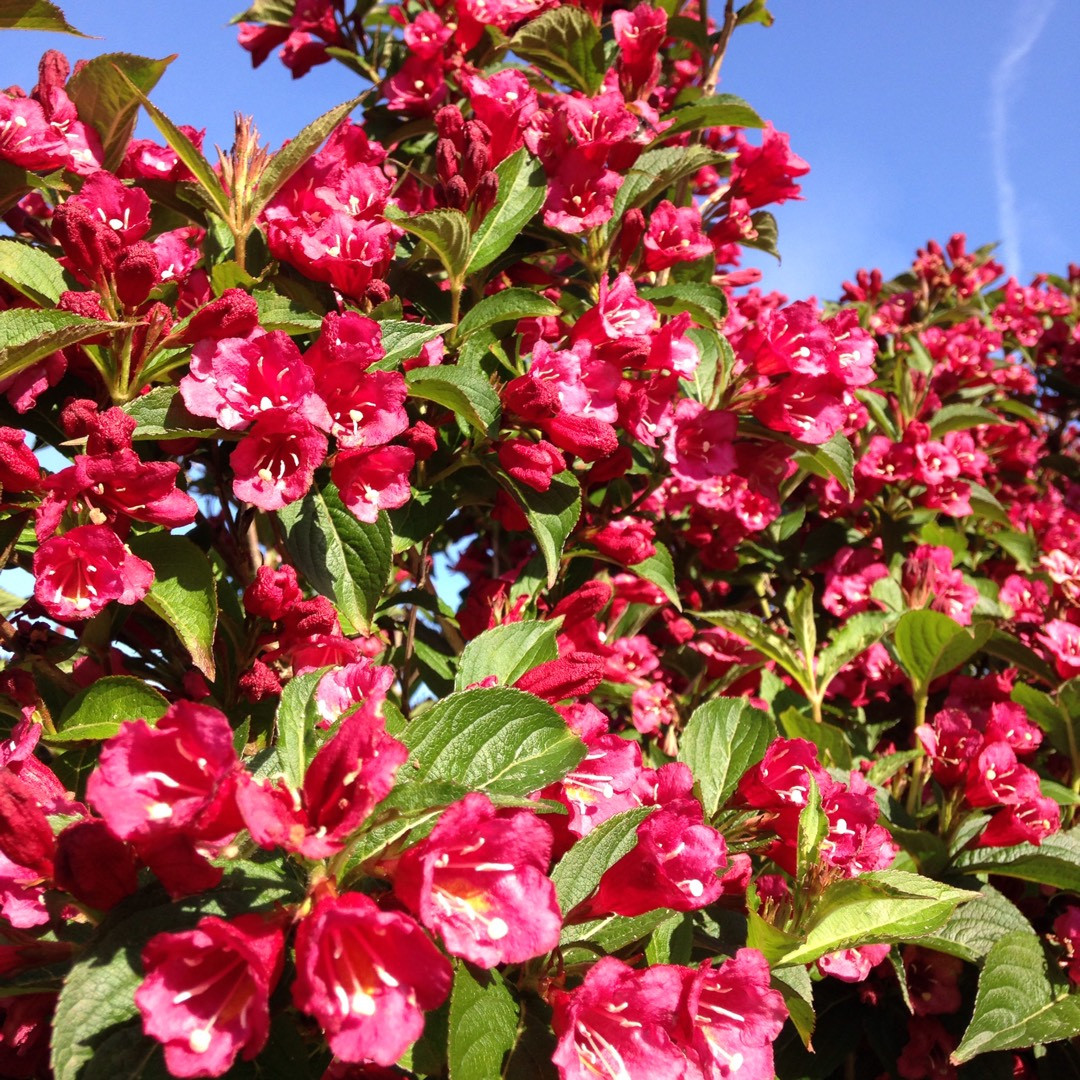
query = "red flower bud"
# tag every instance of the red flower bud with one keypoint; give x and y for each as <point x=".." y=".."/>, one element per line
<point x="94" y="866"/>
<point x="233" y="314"/>
<point x="136" y="273"/>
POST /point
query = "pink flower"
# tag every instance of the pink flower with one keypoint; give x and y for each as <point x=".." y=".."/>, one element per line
<point x="674" y="236"/>
<point x="731" y="1017"/>
<point x="276" y="460"/>
<point x="77" y="574"/>
<point x="479" y="880"/>
<point x="620" y="1023"/>
<point x="365" y="408"/>
<point x="699" y="445"/>
<point x="367" y="976"/>
<point x="206" y="992"/>
<point x="674" y="865"/>
<point x="853" y="965"/>
<point x="531" y="463"/>
<point x="352" y="771"/>
<point x="1062" y="641"/>
<point x="169" y="788"/>
<point x="373" y="480"/>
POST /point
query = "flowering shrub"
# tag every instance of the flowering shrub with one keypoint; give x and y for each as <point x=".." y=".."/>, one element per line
<point x="751" y="746"/>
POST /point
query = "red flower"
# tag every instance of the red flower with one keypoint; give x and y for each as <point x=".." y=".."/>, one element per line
<point x="275" y="462"/>
<point x="373" y="480"/>
<point x="480" y="881"/>
<point x="78" y="573"/>
<point x="367" y="976"/>
<point x="206" y="992"/>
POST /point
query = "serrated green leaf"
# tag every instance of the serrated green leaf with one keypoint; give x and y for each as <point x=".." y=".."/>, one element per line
<point x="930" y="644"/>
<point x="578" y="872"/>
<point x="33" y="272"/>
<point x="553" y="515"/>
<point x="28" y="335"/>
<point x="294" y="153"/>
<point x="522" y="190"/>
<point x="959" y="417"/>
<point x="35" y="15"/>
<point x="207" y="180"/>
<point x="508" y="305"/>
<point x="764" y="235"/>
<point x="183" y="593"/>
<point x="462" y="390"/>
<point x="881" y="907"/>
<point x="447" y="233"/>
<point x="831" y="742"/>
<point x="499" y="739"/>
<point x="345" y="560"/>
<point x="707" y="304"/>
<point x="834" y="458"/>
<point x="508" y="652"/>
<point x="1056" y="861"/>
<point x="799" y="604"/>
<point x="297" y="715"/>
<point x="565" y="44"/>
<point x="654" y="172"/>
<point x="161" y="414"/>
<point x="973" y="928"/>
<point x="105" y="100"/>
<point x="719" y="110"/>
<point x="483" y="1024"/>
<point x="755" y="633"/>
<point x="404" y="340"/>
<point x="98" y="711"/>
<point x="812" y="829"/>
<point x="659" y="569"/>
<point x="609" y="934"/>
<point x="277" y="312"/>
<point x="1016" y="1005"/>
<point x="985" y="504"/>
<point x="857" y="634"/>
<point x="723" y="738"/>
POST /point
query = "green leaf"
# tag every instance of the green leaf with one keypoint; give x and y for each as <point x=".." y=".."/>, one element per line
<point x="973" y="928"/>
<point x="33" y="272"/>
<point x="707" y="304"/>
<point x="654" y="172"/>
<point x="723" y="738"/>
<point x="832" y="458"/>
<point x="98" y="711"/>
<point x="799" y="604"/>
<point x="499" y="740"/>
<point x="1056" y="861"/>
<point x="297" y="716"/>
<point x="508" y="651"/>
<point x="609" y="934"/>
<point x="578" y="872"/>
<point x="343" y="559"/>
<point x="98" y="993"/>
<point x="959" y="417"/>
<point x="277" y="312"/>
<point x="813" y="828"/>
<point x="565" y="44"/>
<point x="522" y="190"/>
<point x="293" y="154"/>
<point x="208" y="181"/>
<point x="509" y="305"/>
<point x="35" y="15"/>
<point x="930" y="644"/>
<point x="483" y="1024"/>
<point x="765" y="235"/>
<point x="446" y="232"/>
<point x="719" y="110"/>
<point x="754" y="632"/>
<point x="857" y="634"/>
<point x="553" y="515"/>
<point x="881" y="907"/>
<point x="1016" y="1005"/>
<point x="28" y="335"/>
<point x="831" y="742"/>
<point x="985" y="504"/>
<point x="672" y="941"/>
<point x="102" y="92"/>
<point x="183" y="592"/>
<point x="462" y="390"/>
<point x="161" y="414"/>
<point x="660" y="570"/>
<point x="404" y="340"/>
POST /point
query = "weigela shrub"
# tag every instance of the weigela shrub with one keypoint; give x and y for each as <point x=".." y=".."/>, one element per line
<point x="749" y="746"/>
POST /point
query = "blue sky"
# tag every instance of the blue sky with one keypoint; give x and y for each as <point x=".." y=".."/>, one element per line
<point x="918" y="120"/>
